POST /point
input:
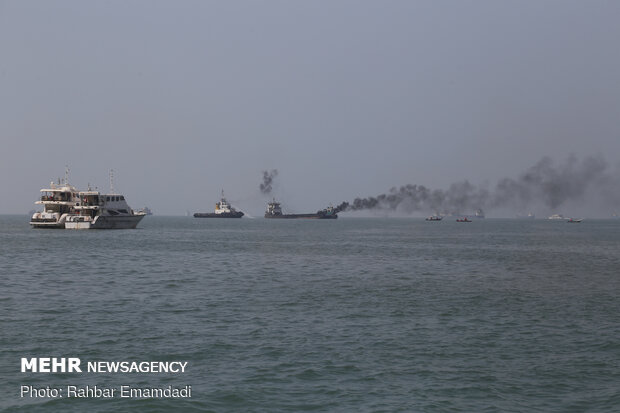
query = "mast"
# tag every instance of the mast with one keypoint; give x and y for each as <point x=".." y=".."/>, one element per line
<point x="111" y="181"/>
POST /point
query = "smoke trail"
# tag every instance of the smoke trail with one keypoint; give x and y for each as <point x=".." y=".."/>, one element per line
<point x="544" y="182"/>
<point x="268" y="177"/>
<point x="461" y="196"/>
<point x="553" y="185"/>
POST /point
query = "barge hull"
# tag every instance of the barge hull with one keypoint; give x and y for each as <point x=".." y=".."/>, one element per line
<point x="237" y="214"/>
<point x="301" y="216"/>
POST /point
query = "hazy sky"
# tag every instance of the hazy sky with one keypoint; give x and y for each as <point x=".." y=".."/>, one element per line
<point x="344" y="98"/>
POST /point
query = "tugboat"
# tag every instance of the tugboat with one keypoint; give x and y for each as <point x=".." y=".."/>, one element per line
<point x="222" y="210"/>
<point x="274" y="210"/>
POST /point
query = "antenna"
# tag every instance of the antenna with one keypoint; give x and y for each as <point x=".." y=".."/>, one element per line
<point x="111" y="181"/>
<point x="67" y="174"/>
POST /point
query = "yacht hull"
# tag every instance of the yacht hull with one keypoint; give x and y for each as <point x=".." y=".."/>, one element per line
<point x="48" y="221"/>
<point x="236" y="214"/>
<point x="116" y="222"/>
<point x="47" y="224"/>
<point x="301" y="216"/>
<point x="106" y="222"/>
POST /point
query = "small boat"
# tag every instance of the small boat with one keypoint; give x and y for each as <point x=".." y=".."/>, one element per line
<point x="575" y="220"/>
<point x="145" y="210"/>
<point x="434" y="218"/>
<point x="556" y="216"/>
<point x="528" y="216"/>
<point x="464" y="219"/>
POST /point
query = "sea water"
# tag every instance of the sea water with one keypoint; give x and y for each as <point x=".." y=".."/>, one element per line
<point x="347" y="315"/>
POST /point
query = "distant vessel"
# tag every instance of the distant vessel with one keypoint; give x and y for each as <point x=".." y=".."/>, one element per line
<point x="99" y="211"/>
<point x="145" y="210"/>
<point x="575" y="220"/>
<point x="464" y="219"/>
<point x="479" y="214"/>
<point x="434" y="218"/>
<point x="222" y="210"/>
<point x="528" y="216"/>
<point x="556" y="216"/>
<point x="274" y="210"/>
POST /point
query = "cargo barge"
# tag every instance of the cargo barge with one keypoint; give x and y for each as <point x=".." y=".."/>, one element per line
<point x="274" y="210"/>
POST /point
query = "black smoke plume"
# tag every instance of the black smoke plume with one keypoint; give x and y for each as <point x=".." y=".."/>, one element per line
<point x="461" y="196"/>
<point x="554" y="185"/>
<point x="543" y="183"/>
<point x="268" y="177"/>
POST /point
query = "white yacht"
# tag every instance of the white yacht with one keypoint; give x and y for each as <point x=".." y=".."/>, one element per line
<point x="64" y="206"/>
<point x="102" y="211"/>
<point x="556" y="216"/>
<point x="58" y="202"/>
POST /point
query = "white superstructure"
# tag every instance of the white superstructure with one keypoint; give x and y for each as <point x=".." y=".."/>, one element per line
<point x="223" y="207"/>
<point x="58" y="202"/>
<point x="273" y="209"/>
